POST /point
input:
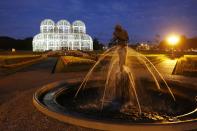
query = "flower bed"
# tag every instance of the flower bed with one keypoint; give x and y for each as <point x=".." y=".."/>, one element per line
<point x="83" y="54"/>
<point x="70" y="60"/>
<point x="71" y="63"/>
<point x="186" y="65"/>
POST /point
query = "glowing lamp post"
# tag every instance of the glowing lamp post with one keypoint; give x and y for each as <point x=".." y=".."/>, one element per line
<point x="172" y="41"/>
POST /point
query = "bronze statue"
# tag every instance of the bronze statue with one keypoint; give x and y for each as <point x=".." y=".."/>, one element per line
<point x="121" y="38"/>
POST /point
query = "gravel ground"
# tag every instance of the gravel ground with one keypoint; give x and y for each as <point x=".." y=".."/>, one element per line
<point x="17" y="112"/>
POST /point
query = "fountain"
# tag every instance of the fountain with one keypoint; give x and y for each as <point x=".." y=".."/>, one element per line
<point x="123" y="90"/>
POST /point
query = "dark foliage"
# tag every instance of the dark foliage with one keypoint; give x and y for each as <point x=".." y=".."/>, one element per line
<point x="112" y="43"/>
<point x="185" y="43"/>
<point x="7" y="43"/>
<point x="97" y="45"/>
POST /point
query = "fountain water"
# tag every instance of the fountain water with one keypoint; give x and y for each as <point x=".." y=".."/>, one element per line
<point x="123" y="87"/>
<point x="120" y="80"/>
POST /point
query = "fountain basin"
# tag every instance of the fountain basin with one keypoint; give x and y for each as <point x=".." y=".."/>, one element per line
<point x="46" y="100"/>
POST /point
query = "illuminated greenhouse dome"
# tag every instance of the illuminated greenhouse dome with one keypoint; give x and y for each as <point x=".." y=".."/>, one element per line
<point x="62" y="35"/>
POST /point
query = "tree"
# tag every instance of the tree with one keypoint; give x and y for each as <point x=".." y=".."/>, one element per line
<point x="112" y="42"/>
<point x="184" y="44"/>
<point x="7" y="43"/>
<point x="97" y="45"/>
<point x="157" y="39"/>
<point x="192" y="42"/>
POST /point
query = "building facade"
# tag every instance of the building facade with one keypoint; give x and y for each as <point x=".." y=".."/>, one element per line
<point x="62" y="35"/>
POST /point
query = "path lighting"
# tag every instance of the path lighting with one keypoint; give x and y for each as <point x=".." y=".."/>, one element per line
<point x="173" y="40"/>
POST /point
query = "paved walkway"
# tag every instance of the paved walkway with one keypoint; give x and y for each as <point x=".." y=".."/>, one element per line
<point x="166" y="68"/>
<point x="16" y="90"/>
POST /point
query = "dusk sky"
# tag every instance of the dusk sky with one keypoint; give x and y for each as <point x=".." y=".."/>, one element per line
<point x="143" y="19"/>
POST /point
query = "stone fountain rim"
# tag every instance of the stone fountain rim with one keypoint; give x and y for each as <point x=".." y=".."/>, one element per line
<point x="102" y="125"/>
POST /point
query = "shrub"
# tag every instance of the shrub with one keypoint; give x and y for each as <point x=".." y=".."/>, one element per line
<point x="71" y="63"/>
<point x="68" y="60"/>
<point x="186" y="65"/>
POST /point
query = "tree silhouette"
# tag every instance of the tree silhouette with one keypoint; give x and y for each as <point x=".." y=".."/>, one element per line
<point x="7" y="43"/>
<point x="97" y="45"/>
<point x="184" y="44"/>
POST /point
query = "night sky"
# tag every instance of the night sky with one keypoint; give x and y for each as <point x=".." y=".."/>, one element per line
<point x="143" y="19"/>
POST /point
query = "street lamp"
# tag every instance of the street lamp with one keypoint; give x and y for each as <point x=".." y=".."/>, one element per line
<point x="172" y="41"/>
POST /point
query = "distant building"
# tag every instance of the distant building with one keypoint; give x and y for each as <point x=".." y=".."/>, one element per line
<point x="143" y="46"/>
<point x="62" y="35"/>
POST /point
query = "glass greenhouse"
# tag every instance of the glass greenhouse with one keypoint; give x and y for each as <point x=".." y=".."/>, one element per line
<point x="62" y="35"/>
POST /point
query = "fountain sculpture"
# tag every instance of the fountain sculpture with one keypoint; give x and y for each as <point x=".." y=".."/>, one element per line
<point x="122" y="88"/>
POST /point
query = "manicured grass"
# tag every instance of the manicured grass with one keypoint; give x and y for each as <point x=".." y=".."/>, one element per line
<point x="12" y="59"/>
<point x="12" y="63"/>
<point x="15" y="56"/>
